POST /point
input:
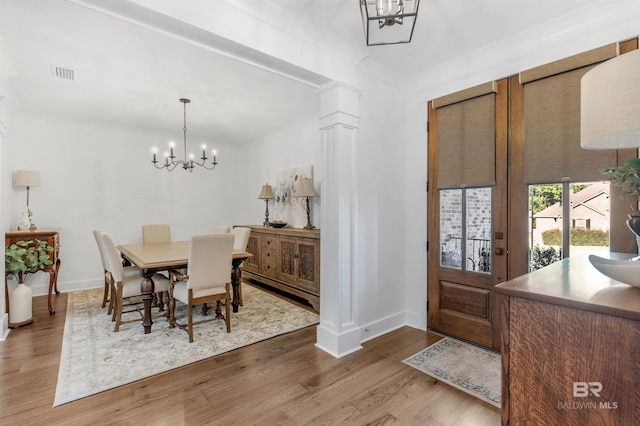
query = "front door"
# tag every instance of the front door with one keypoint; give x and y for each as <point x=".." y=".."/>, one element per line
<point x="467" y="241"/>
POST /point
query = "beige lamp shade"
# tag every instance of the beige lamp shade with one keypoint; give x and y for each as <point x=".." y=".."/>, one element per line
<point x="305" y="189"/>
<point x="610" y="104"/>
<point x="27" y="178"/>
<point x="266" y="193"/>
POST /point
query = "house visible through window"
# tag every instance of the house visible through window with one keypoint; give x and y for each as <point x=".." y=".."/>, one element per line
<point x="587" y="221"/>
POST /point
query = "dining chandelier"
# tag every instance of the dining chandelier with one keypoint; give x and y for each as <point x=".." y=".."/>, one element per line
<point x="388" y="21"/>
<point x="170" y="162"/>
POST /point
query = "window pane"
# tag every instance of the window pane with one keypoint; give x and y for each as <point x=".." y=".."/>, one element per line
<point x="478" y="227"/>
<point x="545" y="220"/>
<point x="588" y="223"/>
<point x="451" y="228"/>
<point x="589" y="218"/>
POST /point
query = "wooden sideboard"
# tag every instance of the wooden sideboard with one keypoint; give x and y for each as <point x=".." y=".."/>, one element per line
<point x="287" y="259"/>
<point x="52" y="237"/>
<point x="570" y="347"/>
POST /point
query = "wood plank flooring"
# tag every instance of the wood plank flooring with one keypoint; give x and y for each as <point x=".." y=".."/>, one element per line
<point x="282" y="381"/>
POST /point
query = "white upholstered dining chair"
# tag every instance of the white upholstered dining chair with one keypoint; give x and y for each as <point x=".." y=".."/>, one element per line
<point x="241" y="238"/>
<point x="108" y="286"/>
<point x="125" y="285"/>
<point x="156" y="233"/>
<point x="240" y="244"/>
<point x="107" y="275"/>
<point x="208" y="279"/>
<point x="221" y="229"/>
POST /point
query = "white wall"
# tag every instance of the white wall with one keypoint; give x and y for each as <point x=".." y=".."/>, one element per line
<point x="380" y="229"/>
<point x="415" y="211"/>
<point x="295" y="146"/>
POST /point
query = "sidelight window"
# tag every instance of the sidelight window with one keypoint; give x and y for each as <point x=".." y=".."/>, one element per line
<point x="465" y="229"/>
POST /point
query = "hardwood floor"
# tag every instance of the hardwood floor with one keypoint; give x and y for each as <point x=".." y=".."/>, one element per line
<point x="282" y="381"/>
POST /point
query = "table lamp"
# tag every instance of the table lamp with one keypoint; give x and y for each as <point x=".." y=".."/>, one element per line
<point x="27" y="178"/>
<point x="266" y="194"/>
<point x="305" y="189"/>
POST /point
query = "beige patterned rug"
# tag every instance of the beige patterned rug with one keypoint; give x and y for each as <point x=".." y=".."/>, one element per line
<point x="95" y="359"/>
<point x="469" y="368"/>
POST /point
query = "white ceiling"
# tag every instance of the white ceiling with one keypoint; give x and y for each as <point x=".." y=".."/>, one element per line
<point x="130" y="75"/>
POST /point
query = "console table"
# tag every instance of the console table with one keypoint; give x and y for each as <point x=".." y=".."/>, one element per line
<point x="570" y="347"/>
<point x="52" y="237"/>
<point x="287" y="259"/>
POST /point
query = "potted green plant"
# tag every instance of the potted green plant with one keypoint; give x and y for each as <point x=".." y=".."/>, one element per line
<point x="627" y="176"/>
<point x="26" y="256"/>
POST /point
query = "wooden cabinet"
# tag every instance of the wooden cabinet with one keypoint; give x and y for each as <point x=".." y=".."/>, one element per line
<point x="285" y="258"/>
<point x="570" y="345"/>
<point x="52" y="237"/>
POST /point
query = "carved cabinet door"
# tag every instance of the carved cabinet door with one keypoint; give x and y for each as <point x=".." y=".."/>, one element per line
<point x="299" y="263"/>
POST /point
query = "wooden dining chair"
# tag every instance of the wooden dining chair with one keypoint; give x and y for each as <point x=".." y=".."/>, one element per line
<point x="208" y="279"/>
<point x="156" y="233"/>
<point x="125" y="285"/>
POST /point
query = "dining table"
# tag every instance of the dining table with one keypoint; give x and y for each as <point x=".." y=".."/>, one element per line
<point x="152" y="258"/>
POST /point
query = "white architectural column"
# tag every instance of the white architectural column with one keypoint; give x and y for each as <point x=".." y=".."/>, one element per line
<point x="338" y="332"/>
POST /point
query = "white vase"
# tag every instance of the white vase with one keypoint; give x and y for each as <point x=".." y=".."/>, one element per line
<point x="20" y="306"/>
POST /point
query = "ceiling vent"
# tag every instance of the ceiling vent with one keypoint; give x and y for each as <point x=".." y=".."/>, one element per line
<point x="61" y="72"/>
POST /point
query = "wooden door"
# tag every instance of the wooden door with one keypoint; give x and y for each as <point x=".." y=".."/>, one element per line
<point x="467" y="211"/>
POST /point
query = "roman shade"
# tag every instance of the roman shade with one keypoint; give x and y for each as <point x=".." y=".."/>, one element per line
<point x="466" y="137"/>
<point x="552" y="121"/>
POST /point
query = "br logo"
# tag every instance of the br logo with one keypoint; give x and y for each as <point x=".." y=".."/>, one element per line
<point x="584" y="389"/>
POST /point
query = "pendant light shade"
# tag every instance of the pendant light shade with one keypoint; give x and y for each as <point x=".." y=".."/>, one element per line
<point x="610" y="104"/>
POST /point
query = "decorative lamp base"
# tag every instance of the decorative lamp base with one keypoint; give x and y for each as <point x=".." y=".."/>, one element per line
<point x="633" y="222"/>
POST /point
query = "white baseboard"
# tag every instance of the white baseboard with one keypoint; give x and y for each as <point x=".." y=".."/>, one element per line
<point x="383" y="326"/>
<point x="42" y="289"/>
<point x="337" y="344"/>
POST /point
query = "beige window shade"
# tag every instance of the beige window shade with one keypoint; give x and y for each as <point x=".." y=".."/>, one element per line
<point x="465" y="95"/>
<point x="552" y="132"/>
<point x="466" y="143"/>
<point x="580" y="60"/>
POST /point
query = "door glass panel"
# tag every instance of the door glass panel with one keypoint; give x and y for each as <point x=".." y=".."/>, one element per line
<point x="465" y="229"/>
<point x="478" y="229"/>
<point x="588" y="223"/>
<point x="451" y="228"/>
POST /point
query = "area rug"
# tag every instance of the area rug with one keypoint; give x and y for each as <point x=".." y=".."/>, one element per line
<point x="469" y="368"/>
<point x="94" y="358"/>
